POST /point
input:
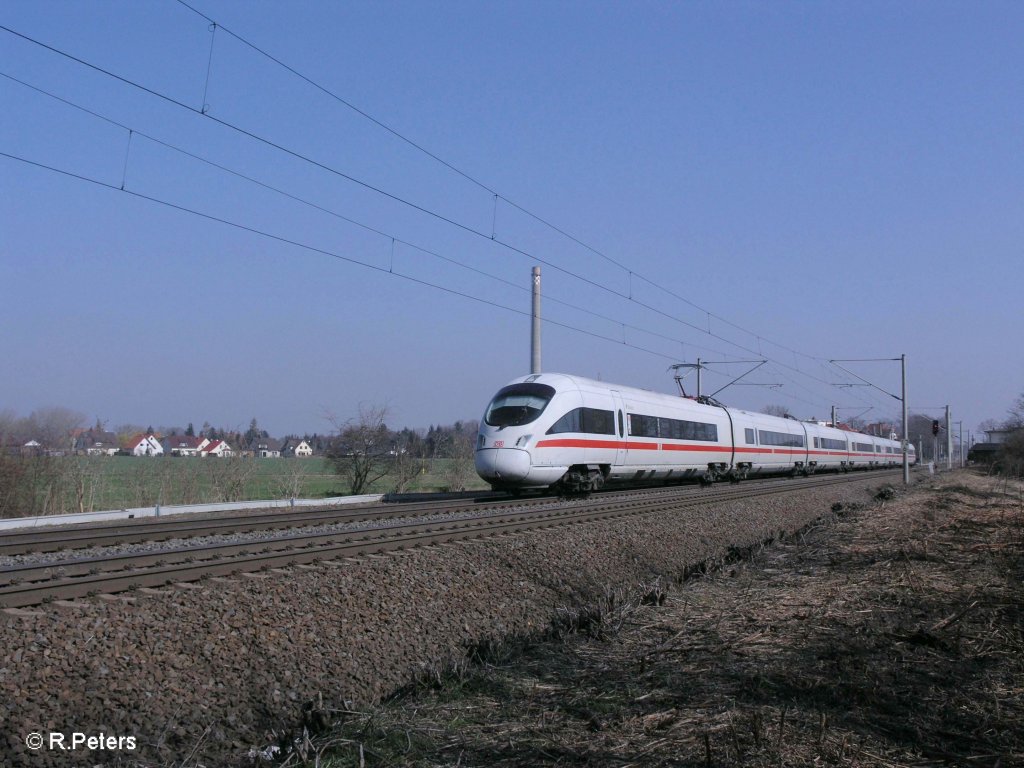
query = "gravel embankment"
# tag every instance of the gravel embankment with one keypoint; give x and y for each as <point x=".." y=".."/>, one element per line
<point x="889" y="635"/>
<point x="204" y="673"/>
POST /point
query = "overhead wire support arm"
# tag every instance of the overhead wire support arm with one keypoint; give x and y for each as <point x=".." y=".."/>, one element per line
<point x="902" y="360"/>
<point x="702" y="364"/>
<point x="837" y="408"/>
<point x="741" y="376"/>
<point x="861" y="378"/>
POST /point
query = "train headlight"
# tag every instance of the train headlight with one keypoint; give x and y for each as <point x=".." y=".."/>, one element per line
<point x="523" y="441"/>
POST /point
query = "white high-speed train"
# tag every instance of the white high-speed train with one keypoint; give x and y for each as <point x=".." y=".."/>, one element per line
<point x="571" y="434"/>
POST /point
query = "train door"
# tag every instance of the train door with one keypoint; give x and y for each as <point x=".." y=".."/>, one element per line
<point x="620" y="428"/>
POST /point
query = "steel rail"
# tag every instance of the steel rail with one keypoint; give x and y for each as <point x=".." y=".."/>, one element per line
<point x="37" y="570"/>
<point x="81" y="536"/>
<point x="155" y="529"/>
<point x="40" y="571"/>
<point x="207" y="552"/>
<point x="399" y="537"/>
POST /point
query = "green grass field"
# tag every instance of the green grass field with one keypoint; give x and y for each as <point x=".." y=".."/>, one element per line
<point x="116" y="482"/>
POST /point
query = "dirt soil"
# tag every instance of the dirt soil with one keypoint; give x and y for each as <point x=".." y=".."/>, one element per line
<point x="888" y="634"/>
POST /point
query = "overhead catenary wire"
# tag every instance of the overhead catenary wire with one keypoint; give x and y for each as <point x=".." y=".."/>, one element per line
<point x="323" y="166"/>
<point x="631" y="272"/>
<point x="394" y="239"/>
<point x="481" y="184"/>
<point x="322" y="251"/>
<point x="447" y="220"/>
<point x="396" y="198"/>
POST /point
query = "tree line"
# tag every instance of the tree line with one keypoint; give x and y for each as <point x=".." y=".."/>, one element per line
<point x="365" y="452"/>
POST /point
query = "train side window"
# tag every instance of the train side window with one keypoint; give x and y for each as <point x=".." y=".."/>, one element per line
<point x="781" y="438"/>
<point x="622" y="427"/>
<point x="570" y="422"/>
<point x="643" y="426"/>
<point x="585" y="420"/>
<point x="671" y="429"/>
<point x="597" y="422"/>
<point x="749" y="435"/>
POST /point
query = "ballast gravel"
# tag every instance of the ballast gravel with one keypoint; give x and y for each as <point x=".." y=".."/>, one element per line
<point x="65" y="555"/>
<point x="207" y="673"/>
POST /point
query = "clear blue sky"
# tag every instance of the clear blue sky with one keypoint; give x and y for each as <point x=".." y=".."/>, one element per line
<point x="838" y="180"/>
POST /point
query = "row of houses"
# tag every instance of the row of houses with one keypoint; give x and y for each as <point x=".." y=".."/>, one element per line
<point x="96" y="443"/>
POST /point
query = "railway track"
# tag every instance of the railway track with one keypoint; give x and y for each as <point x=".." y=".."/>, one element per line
<point x="82" y="536"/>
<point x="112" y="533"/>
<point x="20" y="542"/>
<point x="34" y="540"/>
<point x="35" y="583"/>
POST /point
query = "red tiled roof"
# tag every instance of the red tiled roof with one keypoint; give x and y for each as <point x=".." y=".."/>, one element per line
<point x="183" y="441"/>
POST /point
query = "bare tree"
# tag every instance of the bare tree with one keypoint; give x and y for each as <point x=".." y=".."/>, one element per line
<point x="457" y="450"/>
<point x="362" y="450"/>
<point x="989" y="425"/>
<point x="1011" y="454"/>
<point x="1016" y="420"/>
<point x="777" y="410"/>
<point x="857" y="424"/>
<point x="82" y="476"/>
<point x="289" y="484"/>
<point x="406" y="466"/>
<point x="53" y="426"/>
<point x="229" y="476"/>
<point x="8" y="426"/>
<point x="188" y="491"/>
<point x="16" y="488"/>
<point x="125" y="433"/>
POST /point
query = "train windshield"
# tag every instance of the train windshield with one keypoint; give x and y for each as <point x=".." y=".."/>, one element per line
<point x="518" y="404"/>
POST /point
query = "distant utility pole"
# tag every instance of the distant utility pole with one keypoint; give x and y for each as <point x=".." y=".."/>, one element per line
<point x="837" y="408"/>
<point x="949" y="440"/>
<point x="902" y="359"/>
<point x="535" y="324"/>
<point x="906" y="459"/>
